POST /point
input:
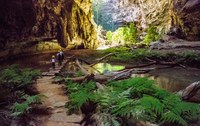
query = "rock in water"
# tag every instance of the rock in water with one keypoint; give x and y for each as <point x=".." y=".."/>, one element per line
<point x="192" y="92"/>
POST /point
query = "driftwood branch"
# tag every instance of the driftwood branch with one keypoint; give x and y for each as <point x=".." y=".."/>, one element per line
<point x="83" y="70"/>
<point x="177" y="63"/>
<point x="102" y="58"/>
<point x="139" y="66"/>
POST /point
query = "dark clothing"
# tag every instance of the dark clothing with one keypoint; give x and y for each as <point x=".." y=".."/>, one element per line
<point x="53" y="65"/>
<point x="60" y="57"/>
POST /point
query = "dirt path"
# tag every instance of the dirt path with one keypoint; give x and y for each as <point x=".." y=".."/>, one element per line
<point x="55" y="101"/>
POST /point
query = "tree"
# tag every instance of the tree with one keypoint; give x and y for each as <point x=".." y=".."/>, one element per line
<point x="152" y="35"/>
<point x="133" y="33"/>
<point x="109" y="35"/>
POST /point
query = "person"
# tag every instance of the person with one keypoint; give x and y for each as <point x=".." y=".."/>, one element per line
<point x="53" y="62"/>
<point x="60" y="57"/>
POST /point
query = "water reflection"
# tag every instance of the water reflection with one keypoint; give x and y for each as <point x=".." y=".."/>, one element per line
<point x="171" y="79"/>
<point x="106" y="68"/>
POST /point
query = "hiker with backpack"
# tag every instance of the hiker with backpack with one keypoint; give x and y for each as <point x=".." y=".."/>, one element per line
<point x="60" y="57"/>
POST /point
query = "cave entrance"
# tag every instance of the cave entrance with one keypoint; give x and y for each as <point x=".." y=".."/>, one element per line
<point x="118" y="22"/>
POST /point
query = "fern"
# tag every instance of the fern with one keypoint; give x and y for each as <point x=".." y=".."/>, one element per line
<point x="171" y="117"/>
<point x="108" y="119"/>
<point x="79" y="74"/>
<point x="136" y="98"/>
<point x="149" y="102"/>
<point x="20" y="108"/>
<point x="79" y="94"/>
<point x="13" y="77"/>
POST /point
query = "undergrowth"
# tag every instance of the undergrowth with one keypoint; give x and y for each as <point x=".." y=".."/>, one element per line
<point x="13" y="77"/>
<point x="20" y="108"/>
<point x="124" y="54"/>
<point x="79" y="94"/>
<point x="133" y="99"/>
<point x="18" y="81"/>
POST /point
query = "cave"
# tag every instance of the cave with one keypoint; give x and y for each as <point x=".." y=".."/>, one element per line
<point x="99" y="62"/>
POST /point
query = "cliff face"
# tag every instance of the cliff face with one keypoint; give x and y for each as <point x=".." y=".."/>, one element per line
<point x="186" y="18"/>
<point x="177" y="17"/>
<point x="24" y="22"/>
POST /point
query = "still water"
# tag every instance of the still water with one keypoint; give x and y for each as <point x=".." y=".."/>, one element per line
<point x="171" y="79"/>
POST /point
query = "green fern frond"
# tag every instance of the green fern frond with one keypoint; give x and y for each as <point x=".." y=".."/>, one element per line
<point x="79" y="94"/>
<point x="14" y="77"/>
<point x="20" y="108"/>
<point x="153" y="103"/>
<point x="170" y="117"/>
<point x="108" y="119"/>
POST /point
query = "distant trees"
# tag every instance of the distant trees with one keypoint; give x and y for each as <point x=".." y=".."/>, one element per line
<point x="129" y="35"/>
<point x="109" y="35"/>
<point x="152" y="35"/>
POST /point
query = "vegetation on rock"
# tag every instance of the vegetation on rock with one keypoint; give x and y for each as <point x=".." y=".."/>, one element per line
<point x="152" y="35"/>
<point x="124" y="35"/>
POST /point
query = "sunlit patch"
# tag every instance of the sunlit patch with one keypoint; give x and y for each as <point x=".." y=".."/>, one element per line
<point x="105" y="68"/>
<point x="103" y="47"/>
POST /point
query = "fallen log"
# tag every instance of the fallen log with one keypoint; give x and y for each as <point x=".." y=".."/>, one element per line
<point x="139" y="66"/>
<point x="166" y="63"/>
<point x="99" y="86"/>
<point x="191" y="93"/>
<point x="102" y="58"/>
<point x="128" y="73"/>
<point x="83" y="70"/>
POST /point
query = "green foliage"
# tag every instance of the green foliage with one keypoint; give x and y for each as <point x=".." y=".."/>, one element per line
<point x="191" y="55"/>
<point x="133" y="38"/>
<point x="135" y="99"/>
<point x="79" y="94"/>
<point x="79" y="73"/>
<point x="20" y="108"/>
<point x="125" y="54"/>
<point x="109" y="35"/>
<point x="118" y="35"/>
<point x="152" y="35"/>
<point x="109" y="120"/>
<point x="124" y="35"/>
<point x="116" y="50"/>
<point x="13" y="77"/>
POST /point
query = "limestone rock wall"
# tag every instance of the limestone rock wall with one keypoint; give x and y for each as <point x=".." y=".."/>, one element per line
<point x="25" y="22"/>
<point x="186" y="18"/>
<point x="177" y="17"/>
